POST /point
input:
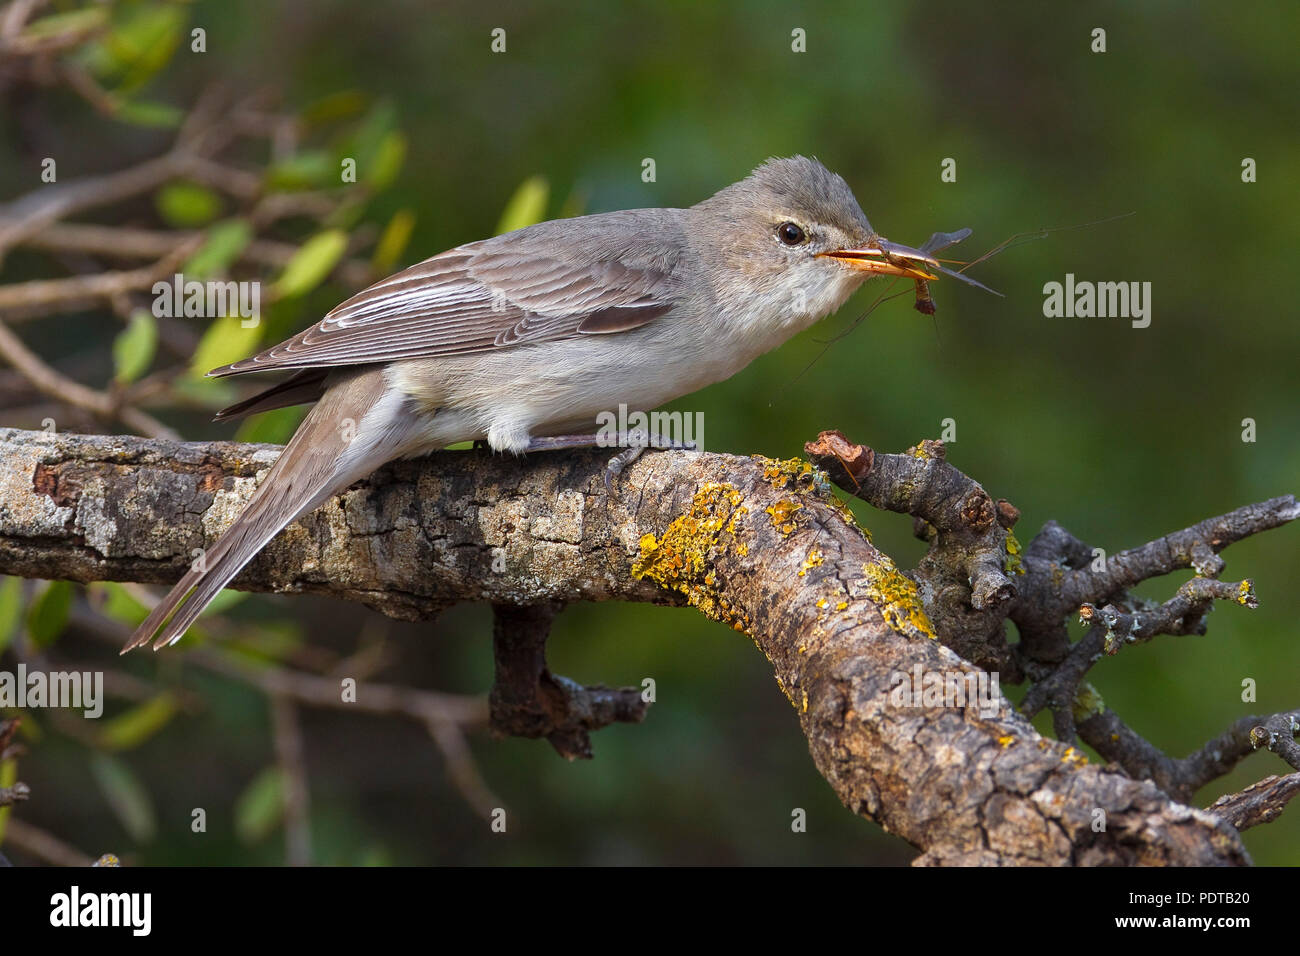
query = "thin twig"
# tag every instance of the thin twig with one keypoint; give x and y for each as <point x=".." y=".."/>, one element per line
<point x="53" y="383"/>
<point x="130" y="243"/>
<point x="1261" y="802"/>
<point x="64" y="294"/>
<point x="43" y="845"/>
<point x="461" y="767"/>
<point x="287" y="734"/>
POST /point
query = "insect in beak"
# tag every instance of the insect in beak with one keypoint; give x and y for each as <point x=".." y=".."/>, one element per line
<point x="882" y="257"/>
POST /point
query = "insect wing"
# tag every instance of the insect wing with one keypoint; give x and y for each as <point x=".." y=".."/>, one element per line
<point x="942" y="240"/>
<point x="968" y="280"/>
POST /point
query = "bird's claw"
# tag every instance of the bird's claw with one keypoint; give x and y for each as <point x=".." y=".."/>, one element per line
<point x="619" y="462"/>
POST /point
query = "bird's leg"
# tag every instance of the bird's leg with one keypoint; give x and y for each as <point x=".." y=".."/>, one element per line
<point x="632" y="443"/>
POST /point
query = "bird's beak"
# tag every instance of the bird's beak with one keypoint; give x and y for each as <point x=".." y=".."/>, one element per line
<point x="885" y="258"/>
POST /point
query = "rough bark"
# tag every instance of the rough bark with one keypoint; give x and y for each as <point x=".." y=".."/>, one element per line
<point x="762" y="546"/>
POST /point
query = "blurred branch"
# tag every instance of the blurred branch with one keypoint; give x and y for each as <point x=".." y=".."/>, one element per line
<point x="52" y="383"/>
<point x="760" y="545"/>
<point x="380" y="699"/>
<point x="461" y="768"/>
<point x="46" y="296"/>
<point x="123" y="242"/>
<point x="287" y="735"/>
<point x="43" y="845"/>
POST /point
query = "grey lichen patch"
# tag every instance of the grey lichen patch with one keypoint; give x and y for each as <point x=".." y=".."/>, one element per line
<point x="555" y="562"/>
<point x="564" y="523"/>
<point x="22" y="508"/>
<point x="498" y="521"/>
<point x="227" y="504"/>
<point x="101" y="527"/>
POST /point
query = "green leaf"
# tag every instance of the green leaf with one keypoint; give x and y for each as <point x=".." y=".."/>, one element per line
<point x="274" y="427"/>
<point x="48" y="614"/>
<point x="210" y="393"/>
<point x="224" y="601"/>
<point x="138" y="45"/>
<point x="185" y="204"/>
<point x="527" y="206"/>
<point x="126" y="795"/>
<point x="225" y="341"/>
<point x="135" y="726"/>
<point x="269" y="641"/>
<point x="574" y="205"/>
<point x="313" y="261"/>
<point x="260" y="808"/>
<point x="11" y="609"/>
<point x="225" y="242"/>
<point x="134" y="346"/>
<point x="393" y="242"/>
<point x="386" y="162"/>
<point x="145" y="113"/>
<point x="334" y="106"/>
<point x="306" y="170"/>
<point x="74" y="21"/>
<point x="116" y="602"/>
<point x="368" y="139"/>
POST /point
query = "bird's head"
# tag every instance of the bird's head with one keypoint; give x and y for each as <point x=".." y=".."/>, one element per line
<point x="792" y="232"/>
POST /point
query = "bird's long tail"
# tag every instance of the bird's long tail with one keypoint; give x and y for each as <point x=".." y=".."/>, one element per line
<point x="330" y="450"/>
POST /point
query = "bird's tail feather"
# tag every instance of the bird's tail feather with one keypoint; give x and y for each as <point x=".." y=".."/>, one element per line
<point x="323" y="457"/>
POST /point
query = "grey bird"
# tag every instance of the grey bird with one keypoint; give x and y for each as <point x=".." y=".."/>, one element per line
<point x="522" y="340"/>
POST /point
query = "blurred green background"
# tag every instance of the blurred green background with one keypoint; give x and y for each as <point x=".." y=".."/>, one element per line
<point x="1120" y="434"/>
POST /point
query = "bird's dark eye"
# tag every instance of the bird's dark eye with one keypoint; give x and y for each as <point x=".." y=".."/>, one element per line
<point x="790" y="234"/>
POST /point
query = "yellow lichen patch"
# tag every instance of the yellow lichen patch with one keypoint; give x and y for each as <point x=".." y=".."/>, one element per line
<point x="1075" y="757"/>
<point x="845" y="512"/>
<point x="1246" y="593"/>
<point x="680" y="559"/>
<point x="896" y="597"/>
<point x="842" y="605"/>
<point x="1087" y="703"/>
<point x="806" y="478"/>
<point x="783" y="513"/>
<point x="1013" y="565"/>
<point x="814" y="559"/>
<point x="822" y="603"/>
<point x="919" y="452"/>
<point x="780" y="473"/>
<point x="805" y="702"/>
<point x="1005" y="741"/>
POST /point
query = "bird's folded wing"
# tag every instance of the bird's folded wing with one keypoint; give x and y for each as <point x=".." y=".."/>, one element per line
<point x="476" y="297"/>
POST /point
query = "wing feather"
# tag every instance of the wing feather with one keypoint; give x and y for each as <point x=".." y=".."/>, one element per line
<point x="484" y="295"/>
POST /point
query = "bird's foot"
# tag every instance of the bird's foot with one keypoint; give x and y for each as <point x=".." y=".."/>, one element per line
<point x="635" y="444"/>
<point x="632" y="443"/>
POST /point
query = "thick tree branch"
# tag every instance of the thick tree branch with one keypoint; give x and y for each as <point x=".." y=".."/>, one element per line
<point x="760" y="545"/>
